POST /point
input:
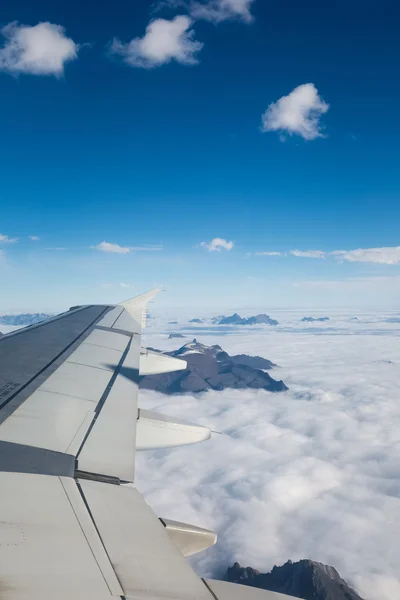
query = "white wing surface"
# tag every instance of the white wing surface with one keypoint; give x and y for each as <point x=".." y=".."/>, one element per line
<point x="72" y="524"/>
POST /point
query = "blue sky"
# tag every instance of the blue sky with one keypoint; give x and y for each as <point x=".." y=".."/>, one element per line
<point x="158" y="144"/>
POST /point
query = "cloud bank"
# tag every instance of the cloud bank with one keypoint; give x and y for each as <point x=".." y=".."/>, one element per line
<point x="297" y="113"/>
<point x="43" y="49"/>
<point x="217" y="244"/>
<point x="309" y="473"/>
<point x="387" y="255"/>
<point x="163" y="42"/>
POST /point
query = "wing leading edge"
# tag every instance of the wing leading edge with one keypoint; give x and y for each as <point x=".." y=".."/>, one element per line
<point x="72" y="525"/>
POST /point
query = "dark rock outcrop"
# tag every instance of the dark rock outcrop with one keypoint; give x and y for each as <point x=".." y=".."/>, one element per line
<point x="257" y="362"/>
<point x="175" y="335"/>
<point x="235" y="319"/>
<point x="23" y="319"/>
<point x="305" y="579"/>
<point x="210" y="368"/>
<point x="313" y="319"/>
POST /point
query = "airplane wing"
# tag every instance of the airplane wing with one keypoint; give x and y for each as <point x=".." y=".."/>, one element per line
<point x="72" y="524"/>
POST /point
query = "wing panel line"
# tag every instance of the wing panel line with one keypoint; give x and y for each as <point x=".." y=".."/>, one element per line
<point x="105" y="395"/>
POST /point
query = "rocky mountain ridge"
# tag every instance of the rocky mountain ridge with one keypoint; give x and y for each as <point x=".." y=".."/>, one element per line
<point x="23" y="319"/>
<point x="314" y="319"/>
<point x="211" y="368"/>
<point x="305" y="579"/>
<point x="236" y="319"/>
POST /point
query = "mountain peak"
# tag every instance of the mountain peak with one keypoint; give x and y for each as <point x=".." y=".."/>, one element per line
<point x="210" y="367"/>
<point x="236" y="319"/>
<point x="306" y="579"/>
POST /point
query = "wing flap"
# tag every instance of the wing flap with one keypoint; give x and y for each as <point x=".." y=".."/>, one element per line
<point x="147" y="563"/>
<point x="44" y="553"/>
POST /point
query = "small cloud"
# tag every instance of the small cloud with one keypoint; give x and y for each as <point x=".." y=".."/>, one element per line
<point x="117" y="249"/>
<point x="113" y="248"/>
<point x="107" y="286"/>
<point x="4" y="239"/>
<point x="164" y="41"/>
<point x="125" y="285"/>
<point x="34" y="238"/>
<point x="308" y="253"/>
<point x="298" y="113"/>
<point x="267" y="253"/>
<point x="222" y="10"/>
<point x="217" y="244"/>
<point x="387" y="256"/>
<point x="39" y="50"/>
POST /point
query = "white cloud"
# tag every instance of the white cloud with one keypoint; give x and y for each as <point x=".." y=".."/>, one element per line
<point x="314" y="471"/>
<point x="164" y="41"/>
<point x="298" y="113"/>
<point x="114" y="248"/>
<point x="4" y="239"/>
<point x="222" y="10"/>
<point x="125" y="285"/>
<point x="268" y="253"/>
<point x="34" y="238"/>
<point x="39" y="50"/>
<point x="388" y="256"/>
<point x="217" y="244"/>
<point x="117" y="249"/>
<point x="308" y="253"/>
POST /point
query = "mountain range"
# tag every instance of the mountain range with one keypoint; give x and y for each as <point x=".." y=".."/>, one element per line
<point x="23" y="319"/>
<point x="305" y="579"/>
<point x="210" y="368"/>
<point x="312" y="319"/>
<point x="235" y="319"/>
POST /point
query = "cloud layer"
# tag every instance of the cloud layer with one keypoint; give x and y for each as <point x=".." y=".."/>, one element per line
<point x="217" y="244"/>
<point x="308" y="253"/>
<point x="163" y="42"/>
<point x="39" y="50"/>
<point x="387" y="255"/>
<point x="297" y="113"/>
<point x="309" y="473"/>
